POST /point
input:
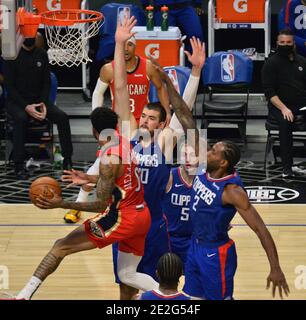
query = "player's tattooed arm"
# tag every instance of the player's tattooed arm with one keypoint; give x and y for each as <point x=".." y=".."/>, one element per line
<point x="105" y="185"/>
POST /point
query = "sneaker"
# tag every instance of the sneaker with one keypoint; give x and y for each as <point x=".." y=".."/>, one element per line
<point x="298" y="170"/>
<point x="20" y="172"/>
<point x="72" y="216"/>
<point x="287" y="173"/>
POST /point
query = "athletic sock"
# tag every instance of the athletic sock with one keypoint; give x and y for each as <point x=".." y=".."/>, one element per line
<point x="30" y="288"/>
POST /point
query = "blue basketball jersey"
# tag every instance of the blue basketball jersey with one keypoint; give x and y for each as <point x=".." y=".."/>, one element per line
<point x="176" y="206"/>
<point x="154" y="176"/>
<point x="210" y="218"/>
<point x="157" y="295"/>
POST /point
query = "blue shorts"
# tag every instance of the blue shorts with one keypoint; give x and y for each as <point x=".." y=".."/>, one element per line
<point x="180" y="246"/>
<point x="157" y="243"/>
<point x="209" y="272"/>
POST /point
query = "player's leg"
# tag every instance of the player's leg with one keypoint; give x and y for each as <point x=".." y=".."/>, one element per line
<point x="193" y="285"/>
<point x="73" y="216"/>
<point x="217" y="273"/>
<point x="75" y="241"/>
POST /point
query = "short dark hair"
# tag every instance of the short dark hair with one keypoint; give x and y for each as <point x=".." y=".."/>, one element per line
<point x="169" y="269"/>
<point x="157" y="106"/>
<point x="232" y="154"/>
<point x="286" y="32"/>
<point x="103" y="118"/>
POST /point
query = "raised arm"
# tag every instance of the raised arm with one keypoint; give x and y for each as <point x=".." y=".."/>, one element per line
<point x="122" y="103"/>
<point x="197" y="59"/>
<point x="161" y="90"/>
<point x="237" y="197"/>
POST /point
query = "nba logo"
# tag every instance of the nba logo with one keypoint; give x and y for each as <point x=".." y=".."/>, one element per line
<point x="227" y="67"/>
<point x="173" y="76"/>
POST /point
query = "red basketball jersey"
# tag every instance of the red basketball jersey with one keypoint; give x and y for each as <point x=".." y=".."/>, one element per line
<point x="138" y="87"/>
<point x="129" y="190"/>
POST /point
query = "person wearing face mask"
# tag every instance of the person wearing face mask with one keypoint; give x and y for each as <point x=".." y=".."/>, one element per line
<point x="27" y="80"/>
<point x="284" y="83"/>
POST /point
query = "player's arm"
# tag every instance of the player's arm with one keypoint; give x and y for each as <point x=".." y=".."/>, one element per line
<point x="102" y="84"/>
<point x="122" y="102"/>
<point x="197" y="59"/>
<point x="236" y="196"/>
<point x="105" y="185"/>
<point x="161" y="90"/>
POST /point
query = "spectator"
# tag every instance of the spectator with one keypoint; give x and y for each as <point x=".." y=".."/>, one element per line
<point x="293" y="18"/>
<point x="181" y="14"/>
<point x="284" y="82"/>
<point x="27" y="80"/>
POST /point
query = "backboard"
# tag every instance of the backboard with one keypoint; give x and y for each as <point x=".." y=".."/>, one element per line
<point x="11" y="37"/>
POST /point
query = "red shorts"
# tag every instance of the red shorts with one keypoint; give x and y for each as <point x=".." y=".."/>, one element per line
<point x="127" y="226"/>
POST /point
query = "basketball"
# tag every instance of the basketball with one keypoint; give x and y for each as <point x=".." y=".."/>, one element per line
<point x="42" y="186"/>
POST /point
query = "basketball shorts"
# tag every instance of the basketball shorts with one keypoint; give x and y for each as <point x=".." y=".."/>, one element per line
<point x="128" y="226"/>
<point x="156" y="244"/>
<point x="209" y="272"/>
<point x="180" y="246"/>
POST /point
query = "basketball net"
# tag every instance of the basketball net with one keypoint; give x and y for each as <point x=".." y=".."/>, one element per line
<point x="67" y="33"/>
<point x="68" y="45"/>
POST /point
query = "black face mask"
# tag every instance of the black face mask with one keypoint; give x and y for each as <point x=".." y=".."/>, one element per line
<point x="29" y="42"/>
<point x="285" y="50"/>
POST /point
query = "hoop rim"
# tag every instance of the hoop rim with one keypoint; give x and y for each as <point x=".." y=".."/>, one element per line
<point x="49" y="17"/>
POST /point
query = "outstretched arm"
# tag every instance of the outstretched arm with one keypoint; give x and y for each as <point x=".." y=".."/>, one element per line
<point x="105" y="185"/>
<point x="101" y="86"/>
<point x="237" y="197"/>
<point x="197" y="59"/>
<point x="122" y="102"/>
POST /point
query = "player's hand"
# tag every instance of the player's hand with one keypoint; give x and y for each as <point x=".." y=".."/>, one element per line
<point x="287" y="114"/>
<point x="75" y="178"/>
<point x="43" y="110"/>
<point x="278" y="281"/>
<point x="124" y="30"/>
<point x="198" y="56"/>
<point x="32" y="111"/>
<point x="46" y="203"/>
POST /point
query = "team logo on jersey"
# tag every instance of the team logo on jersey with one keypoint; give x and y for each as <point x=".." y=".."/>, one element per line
<point x="173" y="76"/>
<point x="265" y="194"/>
<point x="227" y="67"/>
<point x="95" y="230"/>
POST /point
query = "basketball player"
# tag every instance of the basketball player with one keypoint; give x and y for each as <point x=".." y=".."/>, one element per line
<point x="169" y="270"/>
<point x="124" y="216"/>
<point x="176" y="202"/>
<point x="215" y="198"/>
<point x="151" y="152"/>
<point x="140" y="72"/>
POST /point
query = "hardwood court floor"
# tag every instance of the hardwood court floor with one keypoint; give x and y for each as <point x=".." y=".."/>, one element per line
<point x="27" y="233"/>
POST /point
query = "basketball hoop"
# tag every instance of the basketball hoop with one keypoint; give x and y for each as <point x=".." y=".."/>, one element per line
<point x="67" y="33"/>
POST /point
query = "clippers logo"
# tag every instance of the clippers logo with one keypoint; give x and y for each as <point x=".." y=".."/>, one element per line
<point x="271" y="194"/>
<point x="227" y="67"/>
<point x="152" y="50"/>
<point x="54" y="5"/>
<point x="173" y="76"/>
<point x="240" y="6"/>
